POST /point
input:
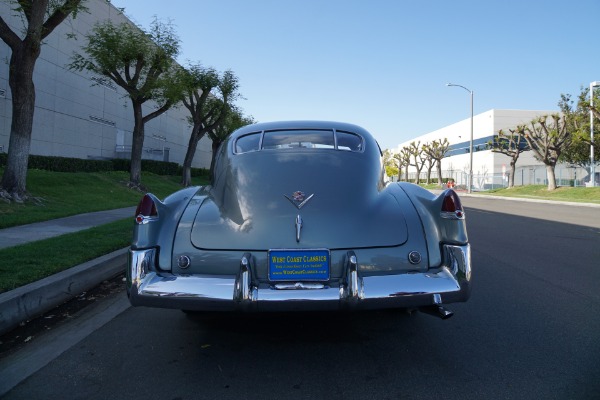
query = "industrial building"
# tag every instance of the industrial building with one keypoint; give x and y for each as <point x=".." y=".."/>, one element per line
<point x="491" y="169"/>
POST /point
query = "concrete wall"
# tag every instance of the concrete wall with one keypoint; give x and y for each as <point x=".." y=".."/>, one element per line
<point x="85" y="116"/>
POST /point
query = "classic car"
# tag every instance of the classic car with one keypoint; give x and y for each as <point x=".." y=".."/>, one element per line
<point x="300" y="216"/>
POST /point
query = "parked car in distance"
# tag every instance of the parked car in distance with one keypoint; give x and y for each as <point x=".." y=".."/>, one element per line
<point x="299" y="216"/>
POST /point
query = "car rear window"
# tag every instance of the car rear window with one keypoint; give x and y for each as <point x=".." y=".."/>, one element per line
<point x="248" y="143"/>
<point x="349" y="141"/>
<point x="299" y="139"/>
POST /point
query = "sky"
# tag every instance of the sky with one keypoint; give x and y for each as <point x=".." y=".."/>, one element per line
<point x="384" y="64"/>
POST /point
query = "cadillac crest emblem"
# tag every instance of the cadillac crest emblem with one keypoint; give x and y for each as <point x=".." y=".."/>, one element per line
<point x="298" y="199"/>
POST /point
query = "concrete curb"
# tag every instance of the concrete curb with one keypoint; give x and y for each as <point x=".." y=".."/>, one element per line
<point x="32" y="300"/>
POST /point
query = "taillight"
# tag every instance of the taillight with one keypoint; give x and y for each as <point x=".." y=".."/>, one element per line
<point x="146" y="210"/>
<point x="451" y="206"/>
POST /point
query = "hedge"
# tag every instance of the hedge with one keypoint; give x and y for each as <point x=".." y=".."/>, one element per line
<point x="68" y="164"/>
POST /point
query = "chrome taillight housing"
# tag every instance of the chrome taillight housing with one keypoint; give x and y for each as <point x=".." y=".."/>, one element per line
<point x="451" y="206"/>
<point x="146" y="210"/>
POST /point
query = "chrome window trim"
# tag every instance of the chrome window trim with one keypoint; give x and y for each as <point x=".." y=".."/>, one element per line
<point x="332" y="130"/>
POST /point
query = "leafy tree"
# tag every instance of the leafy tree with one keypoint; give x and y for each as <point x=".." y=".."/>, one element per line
<point x="140" y="62"/>
<point x="234" y="119"/>
<point x="436" y="151"/>
<point x="578" y="123"/>
<point x="207" y="97"/>
<point x="390" y="163"/>
<point x="510" y="144"/>
<point x="41" y="17"/>
<point x="547" y="140"/>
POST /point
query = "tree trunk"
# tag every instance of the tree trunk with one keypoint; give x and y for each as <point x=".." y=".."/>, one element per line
<point x="215" y="149"/>
<point x="511" y="178"/>
<point x="418" y="177"/>
<point x="22" y="63"/>
<point x="137" y="145"/>
<point x="511" y="174"/>
<point x="189" y="156"/>
<point x="439" y="171"/>
<point x="551" y="177"/>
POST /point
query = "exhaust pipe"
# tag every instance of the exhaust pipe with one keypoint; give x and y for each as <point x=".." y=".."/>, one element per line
<point x="437" y="311"/>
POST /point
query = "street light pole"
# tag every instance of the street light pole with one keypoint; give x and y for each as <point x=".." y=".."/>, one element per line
<point x="592" y="163"/>
<point x="470" y="183"/>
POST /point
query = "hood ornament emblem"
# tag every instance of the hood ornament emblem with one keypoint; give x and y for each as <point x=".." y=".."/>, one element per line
<point x="299" y="199"/>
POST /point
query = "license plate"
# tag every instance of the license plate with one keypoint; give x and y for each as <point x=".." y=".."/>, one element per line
<point x="299" y="265"/>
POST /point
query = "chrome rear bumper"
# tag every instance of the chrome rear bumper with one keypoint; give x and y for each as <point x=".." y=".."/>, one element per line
<point x="446" y="284"/>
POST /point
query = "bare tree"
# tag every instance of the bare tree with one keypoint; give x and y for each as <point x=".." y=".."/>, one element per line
<point x="511" y="144"/>
<point x="418" y="158"/>
<point x="42" y="17"/>
<point x="436" y="151"/>
<point x="140" y="62"/>
<point x="482" y="176"/>
<point x="403" y="162"/>
<point x="429" y="162"/>
<point x="547" y="140"/>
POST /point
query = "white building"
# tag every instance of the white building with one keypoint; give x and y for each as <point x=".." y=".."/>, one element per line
<point x="490" y="169"/>
<point x="84" y="116"/>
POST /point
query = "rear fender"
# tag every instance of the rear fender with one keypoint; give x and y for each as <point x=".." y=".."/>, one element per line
<point x="438" y="230"/>
<point x="159" y="232"/>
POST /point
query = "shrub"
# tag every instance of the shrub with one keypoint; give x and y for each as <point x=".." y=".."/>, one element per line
<point x="68" y="164"/>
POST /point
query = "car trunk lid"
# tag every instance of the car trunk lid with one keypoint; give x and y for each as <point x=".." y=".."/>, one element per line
<point x="334" y="196"/>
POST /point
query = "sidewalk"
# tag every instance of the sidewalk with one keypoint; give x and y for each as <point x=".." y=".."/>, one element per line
<point x="34" y="299"/>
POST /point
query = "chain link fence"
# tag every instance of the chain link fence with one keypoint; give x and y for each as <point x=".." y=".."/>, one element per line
<point x="566" y="175"/>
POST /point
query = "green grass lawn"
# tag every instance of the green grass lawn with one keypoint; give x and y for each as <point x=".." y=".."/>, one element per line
<point x="574" y="194"/>
<point x="67" y="193"/>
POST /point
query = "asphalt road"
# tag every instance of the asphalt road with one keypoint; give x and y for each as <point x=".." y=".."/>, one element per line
<point x="530" y="331"/>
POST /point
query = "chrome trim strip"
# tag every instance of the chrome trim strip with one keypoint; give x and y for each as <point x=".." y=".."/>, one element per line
<point x="201" y="287"/>
<point x="456" y="215"/>
<point x="299" y="286"/>
<point x="298" y="227"/>
<point x="143" y="220"/>
<point x="300" y="295"/>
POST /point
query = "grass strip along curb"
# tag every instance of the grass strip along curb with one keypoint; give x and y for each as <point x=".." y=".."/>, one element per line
<point x="30" y="262"/>
<point x="540" y="192"/>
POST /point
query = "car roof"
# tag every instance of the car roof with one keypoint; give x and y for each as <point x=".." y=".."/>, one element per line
<point x="308" y="124"/>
